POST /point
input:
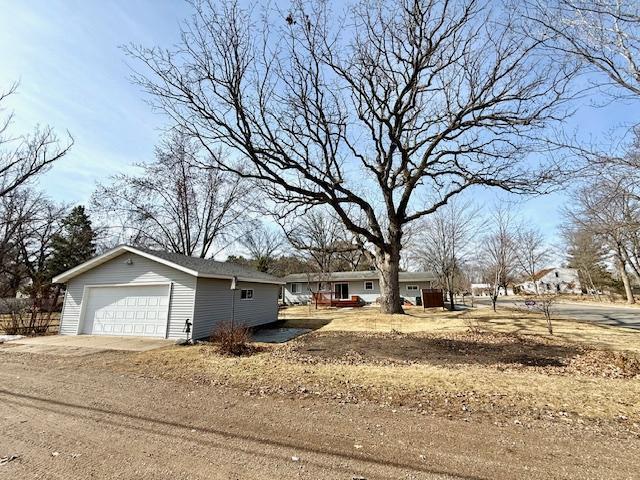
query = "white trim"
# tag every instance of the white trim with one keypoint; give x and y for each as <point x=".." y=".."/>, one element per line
<point x="83" y="302"/>
<point x="83" y="307"/>
<point x="166" y="328"/>
<point x="105" y="257"/>
<point x="64" y="304"/>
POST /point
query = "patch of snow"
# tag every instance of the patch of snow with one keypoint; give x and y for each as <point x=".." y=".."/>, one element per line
<point x="8" y="338"/>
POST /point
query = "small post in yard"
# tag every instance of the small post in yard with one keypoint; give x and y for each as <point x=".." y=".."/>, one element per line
<point x="234" y="287"/>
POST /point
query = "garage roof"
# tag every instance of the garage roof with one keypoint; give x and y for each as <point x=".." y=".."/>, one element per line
<point x="198" y="267"/>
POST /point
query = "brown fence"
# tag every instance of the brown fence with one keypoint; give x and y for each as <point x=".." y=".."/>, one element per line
<point x="432" y="297"/>
<point x="23" y="324"/>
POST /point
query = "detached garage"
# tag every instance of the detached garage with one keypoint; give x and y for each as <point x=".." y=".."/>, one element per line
<point x="149" y="293"/>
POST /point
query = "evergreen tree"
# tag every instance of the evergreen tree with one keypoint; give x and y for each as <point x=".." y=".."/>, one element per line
<point x="75" y="244"/>
<point x="589" y="256"/>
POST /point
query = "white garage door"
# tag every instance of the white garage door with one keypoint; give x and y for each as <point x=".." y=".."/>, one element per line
<point x="131" y="310"/>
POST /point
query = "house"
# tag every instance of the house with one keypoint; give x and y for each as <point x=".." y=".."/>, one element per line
<point x="553" y="280"/>
<point x="486" y="290"/>
<point x="346" y="287"/>
<point x="140" y="292"/>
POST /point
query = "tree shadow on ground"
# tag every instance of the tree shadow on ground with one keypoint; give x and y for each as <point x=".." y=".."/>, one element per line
<point x="311" y="323"/>
<point x="464" y="348"/>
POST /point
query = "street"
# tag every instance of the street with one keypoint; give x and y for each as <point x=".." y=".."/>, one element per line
<point x="618" y="316"/>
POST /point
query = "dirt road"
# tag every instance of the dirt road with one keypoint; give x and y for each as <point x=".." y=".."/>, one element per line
<point x="76" y="417"/>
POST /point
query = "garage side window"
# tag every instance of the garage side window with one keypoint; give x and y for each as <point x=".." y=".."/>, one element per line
<point x="294" y="288"/>
<point x="246" y="294"/>
<point x="368" y="285"/>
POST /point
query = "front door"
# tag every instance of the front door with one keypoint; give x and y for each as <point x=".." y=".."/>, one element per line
<point x="341" y="291"/>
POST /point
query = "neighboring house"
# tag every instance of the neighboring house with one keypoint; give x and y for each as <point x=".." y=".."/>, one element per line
<point x="553" y="280"/>
<point x="481" y="289"/>
<point x="140" y="292"/>
<point x="486" y="289"/>
<point x="343" y="286"/>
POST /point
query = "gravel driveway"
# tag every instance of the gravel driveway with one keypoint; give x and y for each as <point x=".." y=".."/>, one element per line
<point x="77" y="418"/>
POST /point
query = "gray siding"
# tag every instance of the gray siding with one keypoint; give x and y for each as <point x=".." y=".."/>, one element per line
<point x="143" y="270"/>
<point x="213" y="305"/>
<point x="356" y="287"/>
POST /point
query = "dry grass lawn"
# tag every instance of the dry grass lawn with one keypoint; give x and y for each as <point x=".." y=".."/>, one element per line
<point x="438" y="321"/>
<point x="503" y="366"/>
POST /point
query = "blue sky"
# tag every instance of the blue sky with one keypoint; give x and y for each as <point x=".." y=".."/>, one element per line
<point x="73" y="76"/>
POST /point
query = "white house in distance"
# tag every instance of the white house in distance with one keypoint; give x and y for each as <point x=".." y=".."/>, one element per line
<point x="350" y="287"/>
<point x="140" y="292"/>
<point x="553" y="280"/>
<point x="486" y="289"/>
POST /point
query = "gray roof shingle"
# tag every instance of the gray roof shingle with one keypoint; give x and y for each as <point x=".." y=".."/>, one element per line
<point x="211" y="267"/>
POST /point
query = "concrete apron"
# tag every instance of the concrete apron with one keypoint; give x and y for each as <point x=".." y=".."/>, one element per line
<point x="85" y="344"/>
<point x="277" y="335"/>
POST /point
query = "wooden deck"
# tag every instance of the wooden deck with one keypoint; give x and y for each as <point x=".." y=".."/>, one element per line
<point x="326" y="300"/>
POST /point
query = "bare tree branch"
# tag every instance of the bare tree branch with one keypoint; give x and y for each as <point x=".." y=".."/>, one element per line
<point x="384" y="114"/>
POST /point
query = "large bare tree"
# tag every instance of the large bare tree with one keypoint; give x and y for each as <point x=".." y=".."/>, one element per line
<point x="380" y="110"/>
<point x="602" y="34"/>
<point x="18" y="209"/>
<point x="498" y="252"/>
<point x="174" y="204"/>
<point x="530" y="252"/>
<point x="263" y="244"/>
<point x="609" y="209"/>
<point x="22" y="157"/>
<point x="323" y="239"/>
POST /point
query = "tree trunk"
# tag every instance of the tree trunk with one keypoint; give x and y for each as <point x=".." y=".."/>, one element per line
<point x="388" y="264"/>
<point x="451" y="300"/>
<point x="625" y="280"/>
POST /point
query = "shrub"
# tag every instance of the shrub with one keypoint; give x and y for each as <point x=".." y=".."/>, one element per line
<point x="232" y="339"/>
<point x="20" y="317"/>
<point x="473" y="326"/>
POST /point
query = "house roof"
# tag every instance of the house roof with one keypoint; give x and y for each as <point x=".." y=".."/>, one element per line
<point x="363" y="275"/>
<point x="542" y="273"/>
<point x="198" y="267"/>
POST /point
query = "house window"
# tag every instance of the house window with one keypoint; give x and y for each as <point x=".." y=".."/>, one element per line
<point x="412" y="288"/>
<point x="295" y="288"/>
<point x="368" y="285"/>
<point x="246" y="294"/>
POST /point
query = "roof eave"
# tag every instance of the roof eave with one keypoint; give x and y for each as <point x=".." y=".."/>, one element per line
<point x="115" y="252"/>
<point x="111" y="254"/>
